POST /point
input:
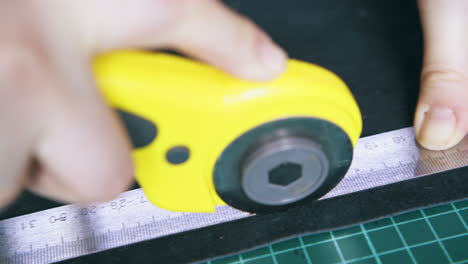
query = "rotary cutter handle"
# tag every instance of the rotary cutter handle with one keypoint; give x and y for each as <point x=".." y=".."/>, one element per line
<point x="203" y="138"/>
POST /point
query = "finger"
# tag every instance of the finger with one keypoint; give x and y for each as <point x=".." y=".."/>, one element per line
<point x="204" y="29"/>
<point x="441" y="118"/>
<point x="13" y="159"/>
<point x="83" y="152"/>
<point x="17" y="76"/>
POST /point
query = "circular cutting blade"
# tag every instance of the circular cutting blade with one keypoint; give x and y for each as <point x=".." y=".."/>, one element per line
<point x="282" y="163"/>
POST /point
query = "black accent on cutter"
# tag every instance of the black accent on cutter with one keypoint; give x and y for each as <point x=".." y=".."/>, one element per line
<point x="178" y="155"/>
<point x="141" y="131"/>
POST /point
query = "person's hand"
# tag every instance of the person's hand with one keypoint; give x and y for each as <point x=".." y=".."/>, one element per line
<point x="57" y="135"/>
<point x="441" y="119"/>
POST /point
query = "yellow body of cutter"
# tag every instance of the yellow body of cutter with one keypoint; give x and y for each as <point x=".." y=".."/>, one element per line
<point x="203" y="109"/>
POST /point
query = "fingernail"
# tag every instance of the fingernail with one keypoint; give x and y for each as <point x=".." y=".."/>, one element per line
<point x="437" y="128"/>
<point x="272" y="56"/>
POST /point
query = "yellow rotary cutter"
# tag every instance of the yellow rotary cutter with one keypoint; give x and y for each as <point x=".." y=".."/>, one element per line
<point x="203" y="138"/>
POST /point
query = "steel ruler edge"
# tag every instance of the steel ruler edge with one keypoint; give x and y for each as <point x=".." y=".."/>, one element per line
<point x="74" y="230"/>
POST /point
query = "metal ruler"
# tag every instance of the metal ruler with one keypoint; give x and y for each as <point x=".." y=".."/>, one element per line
<point x="70" y="231"/>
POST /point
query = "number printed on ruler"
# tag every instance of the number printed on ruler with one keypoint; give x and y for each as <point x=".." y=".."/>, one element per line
<point x="81" y="213"/>
<point x="49" y="220"/>
<point x="395" y="156"/>
<point x="70" y="231"/>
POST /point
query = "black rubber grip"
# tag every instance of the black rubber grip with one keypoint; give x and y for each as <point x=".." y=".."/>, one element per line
<point x="141" y="131"/>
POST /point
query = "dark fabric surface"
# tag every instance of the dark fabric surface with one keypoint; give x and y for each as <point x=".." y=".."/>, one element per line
<point x="376" y="47"/>
<point x="249" y="233"/>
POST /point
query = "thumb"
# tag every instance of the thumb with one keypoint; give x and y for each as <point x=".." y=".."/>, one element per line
<point x="441" y="119"/>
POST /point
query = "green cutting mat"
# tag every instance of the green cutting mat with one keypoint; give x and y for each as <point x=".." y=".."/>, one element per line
<point x="433" y="235"/>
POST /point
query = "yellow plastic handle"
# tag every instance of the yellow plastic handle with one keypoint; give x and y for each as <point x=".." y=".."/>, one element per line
<point x="200" y="109"/>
